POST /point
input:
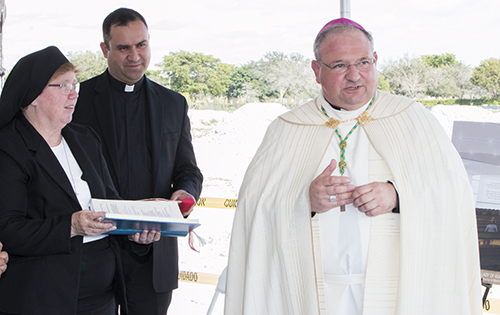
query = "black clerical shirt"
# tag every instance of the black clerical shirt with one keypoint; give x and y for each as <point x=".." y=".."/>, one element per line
<point x="133" y="138"/>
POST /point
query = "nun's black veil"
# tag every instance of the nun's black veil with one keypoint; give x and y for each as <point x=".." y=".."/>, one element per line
<point x="27" y="80"/>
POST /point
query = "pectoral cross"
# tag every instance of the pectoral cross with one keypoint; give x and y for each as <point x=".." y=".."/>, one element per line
<point x="342" y="207"/>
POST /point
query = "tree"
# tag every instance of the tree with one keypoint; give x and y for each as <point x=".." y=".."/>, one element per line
<point x="383" y="83"/>
<point x="406" y="76"/>
<point x="447" y="77"/>
<point x="440" y="81"/>
<point x="196" y="73"/>
<point x="439" y="84"/>
<point x="259" y="82"/>
<point x="89" y="63"/>
<point x="461" y="74"/>
<point x="243" y="81"/>
<point x="155" y="75"/>
<point x="487" y="76"/>
<point x="218" y="84"/>
<point x="451" y="80"/>
<point x="438" y="61"/>
<point x="286" y="74"/>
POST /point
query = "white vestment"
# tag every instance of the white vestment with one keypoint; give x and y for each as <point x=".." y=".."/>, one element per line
<point x="427" y="265"/>
<point x="345" y="236"/>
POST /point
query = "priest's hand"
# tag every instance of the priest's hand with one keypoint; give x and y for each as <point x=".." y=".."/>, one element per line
<point x="375" y="198"/>
<point x="327" y="191"/>
<point x="4" y="259"/>
<point x="145" y="237"/>
<point x="181" y="195"/>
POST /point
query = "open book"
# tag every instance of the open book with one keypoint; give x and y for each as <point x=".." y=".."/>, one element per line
<point x="132" y="216"/>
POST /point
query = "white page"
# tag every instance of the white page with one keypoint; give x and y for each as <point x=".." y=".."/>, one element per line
<point x="158" y="209"/>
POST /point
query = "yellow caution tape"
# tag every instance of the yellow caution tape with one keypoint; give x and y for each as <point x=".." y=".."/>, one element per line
<point x="492" y="306"/>
<point x="222" y="203"/>
<point x="198" y="277"/>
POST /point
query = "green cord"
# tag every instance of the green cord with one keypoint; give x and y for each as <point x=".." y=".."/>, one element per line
<point x="343" y="142"/>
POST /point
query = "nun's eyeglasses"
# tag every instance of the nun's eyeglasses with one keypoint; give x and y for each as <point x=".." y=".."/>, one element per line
<point x="67" y="87"/>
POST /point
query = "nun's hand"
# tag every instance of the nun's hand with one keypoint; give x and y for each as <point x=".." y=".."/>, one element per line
<point x="88" y="223"/>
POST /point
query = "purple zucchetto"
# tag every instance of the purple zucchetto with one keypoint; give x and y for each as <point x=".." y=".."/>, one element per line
<point x="26" y="81"/>
<point x="341" y="21"/>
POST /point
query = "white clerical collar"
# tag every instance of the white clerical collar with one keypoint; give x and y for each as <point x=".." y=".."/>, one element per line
<point x="342" y="113"/>
<point x="129" y="88"/>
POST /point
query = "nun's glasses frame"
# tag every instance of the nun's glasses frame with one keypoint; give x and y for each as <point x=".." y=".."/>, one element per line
<point x="67" y="87"/>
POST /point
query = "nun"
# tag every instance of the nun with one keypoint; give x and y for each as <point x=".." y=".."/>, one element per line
<point x="60" y="259"/>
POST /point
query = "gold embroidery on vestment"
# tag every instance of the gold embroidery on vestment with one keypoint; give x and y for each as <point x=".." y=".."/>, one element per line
<point x="364" y="118"/>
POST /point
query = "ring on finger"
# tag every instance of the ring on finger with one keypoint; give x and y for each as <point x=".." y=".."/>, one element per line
<point x="333" y="198"/>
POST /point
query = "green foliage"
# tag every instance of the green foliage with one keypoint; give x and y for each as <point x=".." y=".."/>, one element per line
<point x="243" y="83"/>
<point x="284" y="75"/>
<point x="440" y="84"/>
<point x="460" y="75"/>
<point x="89" y="63"/>
<point x="406" y="76"/>
<point x="439" y="76"/>
<point x="260" y="85"/>
<point x="219" y="84"/>
<point x="438" y="61"/>
<point x="383" y="83"/>
<point x="209" y="83"/>
<point x="487" y="76"/>
<point x="196" y="73"/>
<point x="155" y="75"/>
<point x="453" y="101"/>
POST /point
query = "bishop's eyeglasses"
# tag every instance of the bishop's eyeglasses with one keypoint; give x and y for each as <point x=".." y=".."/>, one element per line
<point x="341" y="67"/>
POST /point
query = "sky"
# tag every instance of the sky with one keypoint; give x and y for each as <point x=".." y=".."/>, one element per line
<point x="238" y="32"/>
